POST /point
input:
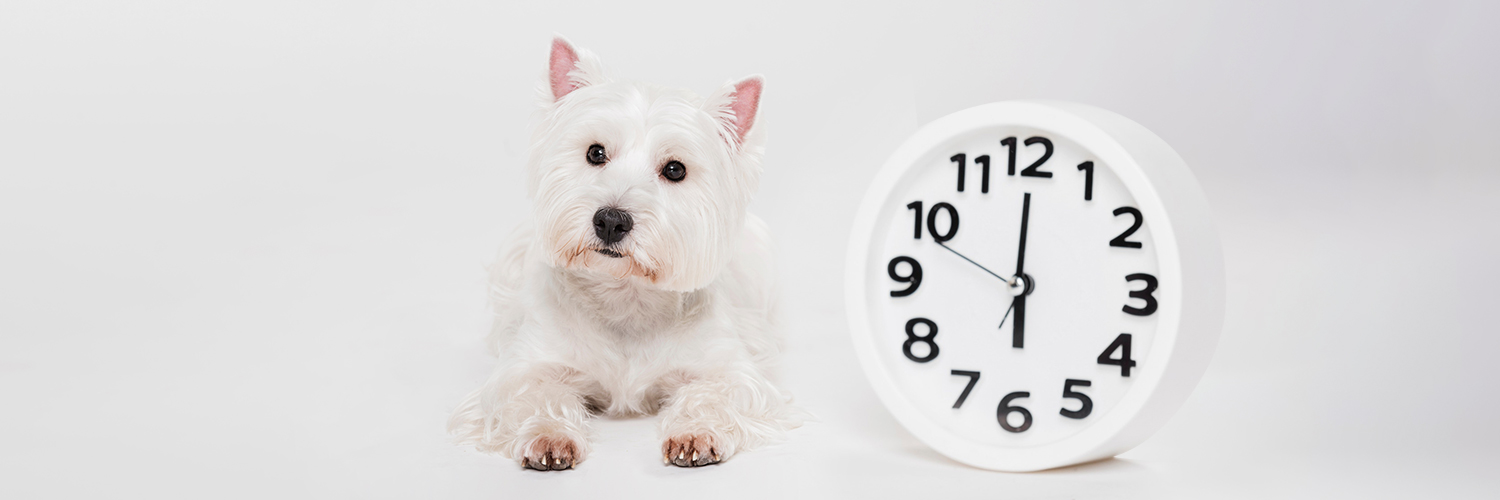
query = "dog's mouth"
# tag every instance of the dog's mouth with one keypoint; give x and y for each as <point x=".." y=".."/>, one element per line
<point x="620" y="263"/>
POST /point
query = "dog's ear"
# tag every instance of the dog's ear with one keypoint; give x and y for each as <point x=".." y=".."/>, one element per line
<point x="570" y="69"/>
<point x="736" y="106"/>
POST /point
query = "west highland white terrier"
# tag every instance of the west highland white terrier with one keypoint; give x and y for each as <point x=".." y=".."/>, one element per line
<point x="640" y="285"/>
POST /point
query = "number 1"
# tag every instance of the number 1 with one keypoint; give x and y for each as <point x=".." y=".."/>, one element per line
<point x="984" y="179"/>
<point x="916" y="205"/>
<point x="1088" y="179"/>
<point x="1010" y="166"/>
<point x="959" y="159"/>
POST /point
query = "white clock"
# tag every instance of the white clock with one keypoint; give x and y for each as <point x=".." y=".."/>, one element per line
<point x="1034" y="284"/>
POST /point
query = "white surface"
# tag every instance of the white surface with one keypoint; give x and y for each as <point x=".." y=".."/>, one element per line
<point x="242" y="246"/>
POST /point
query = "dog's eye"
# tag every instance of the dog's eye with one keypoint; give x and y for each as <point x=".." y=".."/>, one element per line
<point x="596" y="155"/>
<point x="674" y="171"/>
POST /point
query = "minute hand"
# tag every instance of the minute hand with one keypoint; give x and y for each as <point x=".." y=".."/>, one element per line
<point x="1018" y="328"/>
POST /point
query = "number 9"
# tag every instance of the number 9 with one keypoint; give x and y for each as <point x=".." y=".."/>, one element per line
<point x="915" y="278"/>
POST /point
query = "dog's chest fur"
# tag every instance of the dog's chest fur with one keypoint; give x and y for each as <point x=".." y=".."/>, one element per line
<point x="635" y="343"/>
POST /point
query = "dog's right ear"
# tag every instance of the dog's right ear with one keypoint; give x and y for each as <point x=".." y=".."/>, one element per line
<point x="571" y="69"/>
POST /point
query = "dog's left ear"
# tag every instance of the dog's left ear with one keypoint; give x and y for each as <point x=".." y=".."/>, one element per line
<point x="736" y="106"/>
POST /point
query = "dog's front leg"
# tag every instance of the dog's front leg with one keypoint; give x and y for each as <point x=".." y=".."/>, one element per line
<point x="706" y="419"/>
<point x="534" y="414"/>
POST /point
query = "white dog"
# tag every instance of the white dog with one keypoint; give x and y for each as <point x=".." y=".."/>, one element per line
<point x="641" y="285"/>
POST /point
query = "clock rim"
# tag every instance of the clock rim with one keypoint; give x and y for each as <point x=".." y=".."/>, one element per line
<point x="1175" y="209"/>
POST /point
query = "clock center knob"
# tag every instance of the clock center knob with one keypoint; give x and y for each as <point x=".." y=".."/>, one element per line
<point x="1021" y="284"/>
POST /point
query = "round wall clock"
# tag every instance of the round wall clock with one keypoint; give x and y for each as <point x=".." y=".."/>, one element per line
<point x="1034" y="284"/>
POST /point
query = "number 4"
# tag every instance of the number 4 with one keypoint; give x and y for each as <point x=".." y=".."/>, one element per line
<point x="1122" y="344"/>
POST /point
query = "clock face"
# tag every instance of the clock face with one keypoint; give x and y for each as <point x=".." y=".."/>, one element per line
<point x="1033" y="284"/>
<point x="1012" y="286"/>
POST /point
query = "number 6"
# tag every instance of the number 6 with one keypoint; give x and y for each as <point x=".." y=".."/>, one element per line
<point x="1006" y="409"/>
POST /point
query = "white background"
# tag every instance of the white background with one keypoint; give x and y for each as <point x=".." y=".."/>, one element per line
<point x="241" y="247"/>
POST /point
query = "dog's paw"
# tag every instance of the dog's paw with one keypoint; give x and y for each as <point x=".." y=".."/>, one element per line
<point x="692" y="450"/>
<point x="551" y="452"/>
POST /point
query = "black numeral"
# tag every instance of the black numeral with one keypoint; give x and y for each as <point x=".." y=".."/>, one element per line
<point x="973" y="379"/>
<point x="984" y="178"/>
<point x="952" y="222"/>
<point x="1010" y="165"/>
<point x="1006" y="409"/>
<point x="1068" y="392"/>
<point x="1032" y="171"/>
<point x="914" y="277"/>
<point x="916" y="205"/>
<point x="959" y="159"/>
<point x="1088" y="179"/>
<point x="932" y="221"/>
<point x="1143" y="294"/>
<point x="1120" y="240"/>
<point x="1121" y="343"/>
<point x="912" y="338"/>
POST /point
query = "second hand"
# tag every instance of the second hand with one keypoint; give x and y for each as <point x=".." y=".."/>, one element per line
<point x="992" y="273"/>
<point x="1007" y="313"/>
<point x="961" y="256"/>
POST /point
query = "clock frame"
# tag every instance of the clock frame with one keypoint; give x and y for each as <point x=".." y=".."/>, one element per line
<point x="1187" y="250"/>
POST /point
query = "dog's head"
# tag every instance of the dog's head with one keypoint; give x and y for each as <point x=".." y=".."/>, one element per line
<point x="638" y="181"/>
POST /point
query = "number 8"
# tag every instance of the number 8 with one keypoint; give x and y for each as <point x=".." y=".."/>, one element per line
<point x="912" y="338"/>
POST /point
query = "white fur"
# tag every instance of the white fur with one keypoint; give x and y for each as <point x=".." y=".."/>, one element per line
<point x="682" y="325"/>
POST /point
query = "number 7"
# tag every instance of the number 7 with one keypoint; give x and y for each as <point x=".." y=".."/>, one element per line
<point x="973" y="379"/>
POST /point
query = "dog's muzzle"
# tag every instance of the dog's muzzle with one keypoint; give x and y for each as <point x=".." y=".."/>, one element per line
<point x="610" y="225"/>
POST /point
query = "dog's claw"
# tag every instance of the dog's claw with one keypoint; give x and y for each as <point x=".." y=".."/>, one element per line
<point x="549" y="453"/>
<point x="692" y="450"/>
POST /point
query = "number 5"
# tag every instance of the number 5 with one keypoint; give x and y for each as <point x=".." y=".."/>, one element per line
<point x="1068" y="392"/>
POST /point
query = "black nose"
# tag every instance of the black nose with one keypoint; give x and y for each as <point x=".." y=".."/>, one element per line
<point x="611" y="224"/>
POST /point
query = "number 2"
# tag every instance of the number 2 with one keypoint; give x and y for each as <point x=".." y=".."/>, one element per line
<point x="1120" y="240"/>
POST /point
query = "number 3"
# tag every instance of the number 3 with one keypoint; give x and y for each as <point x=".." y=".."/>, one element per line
<point x="1143" y="294"/>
